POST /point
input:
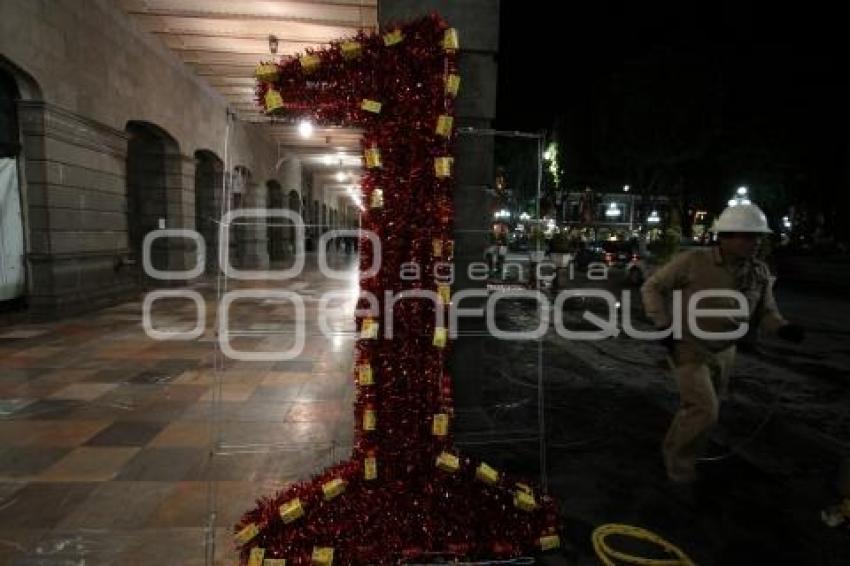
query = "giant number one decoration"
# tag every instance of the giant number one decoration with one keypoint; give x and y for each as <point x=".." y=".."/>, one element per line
<point x="405" y="493"/>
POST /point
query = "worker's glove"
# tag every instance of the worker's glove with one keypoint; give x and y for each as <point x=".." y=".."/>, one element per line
<point x="791" y="333"/>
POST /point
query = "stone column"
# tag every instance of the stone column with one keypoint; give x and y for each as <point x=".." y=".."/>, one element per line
<point x="254" y="248"/>
<point x="74" y="196"/>
<point x="180" y="209"/>
<point x="477" y="22"/>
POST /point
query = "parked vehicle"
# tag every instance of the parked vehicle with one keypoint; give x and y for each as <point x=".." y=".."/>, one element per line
<point x="590" y="253"/>
<point x="617" y="253"/>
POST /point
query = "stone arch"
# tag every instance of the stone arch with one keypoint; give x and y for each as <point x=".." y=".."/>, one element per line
<point x="276" y="231"/>
<point x="13" y="233"/>
<point x="209" y="179"/>
<point x="153" y="187"/>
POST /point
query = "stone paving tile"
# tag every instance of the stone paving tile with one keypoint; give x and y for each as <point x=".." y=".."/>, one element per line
<point x="118" y="505"/>
<point x="23" y="462"/>
<point x="105" y="435"/>
<point x="48" y="433"/>
<point x="183" y="434"/>
<point x="83" y="391"/>
<point x="42" y="505"/>
<point x="126" y="434"/>
<point x="89" y="464"/>
<point x="162" y="464"/>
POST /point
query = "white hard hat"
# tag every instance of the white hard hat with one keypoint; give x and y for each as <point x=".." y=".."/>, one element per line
<point x="742" y="218"/>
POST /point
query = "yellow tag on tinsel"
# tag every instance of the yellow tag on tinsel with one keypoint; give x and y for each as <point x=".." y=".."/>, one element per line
<point x="309" y="62"/>
<point x="364" y="375"/>
<point x="444" y="125"/>
<point x="256" y="557"/>
<point x="351" y="49"/>
<point x="440" y="336"/>
<point x="486" y="474"/>
<point x="437" y="246"/>
<point x="448" y="462"/>
<point x="550" y="542"/>
<point x="440" y="426"/>
<point x="443" y="166"/>
<point x="452" y="84"/>
<point x="274" y="562"/>
<point x="371" y="106"/>
<point x="445" y="293"/>
<point x="369" y="330"/>
<point x="370" y="468"/>
<point x="323" y="556"/>
<point x="376" y="200"/>
<point x="266" y="72"/>
<point x="525" y="501"/>
<point x="273" y="100"/>
<point x="370" y="420"/>
<point x="373" y="158"/>
<point x="333" y="488"/>
<point x="451" y="42"/>
<point x="524" y="487"/>
<point x="291" y="511"/>
<point x="393" y="37"/>
<point x="246" y="534"/>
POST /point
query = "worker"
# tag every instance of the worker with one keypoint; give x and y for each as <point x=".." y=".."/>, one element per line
<point x="701" y="365"/>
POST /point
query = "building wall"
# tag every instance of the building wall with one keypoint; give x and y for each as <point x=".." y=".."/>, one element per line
<point x="89" y="58"/>
<point x="94" y="73"/>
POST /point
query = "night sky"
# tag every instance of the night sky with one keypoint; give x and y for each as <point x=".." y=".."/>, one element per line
<point x="773" y="60"/>
<point x="732" y="92"/>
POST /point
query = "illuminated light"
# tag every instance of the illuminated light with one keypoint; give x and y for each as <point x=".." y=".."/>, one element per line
<point x="305" y="128"/>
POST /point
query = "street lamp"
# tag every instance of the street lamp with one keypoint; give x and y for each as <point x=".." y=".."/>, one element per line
<point x="305" y="128"/>
<point x="740" y="197"/>
<point x="631" y="207"/>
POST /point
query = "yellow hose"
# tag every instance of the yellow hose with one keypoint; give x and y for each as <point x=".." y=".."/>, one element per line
<point x="608" y="555"/>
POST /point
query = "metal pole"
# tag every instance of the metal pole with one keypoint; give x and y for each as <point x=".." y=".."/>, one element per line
<point x="541" y="400"/>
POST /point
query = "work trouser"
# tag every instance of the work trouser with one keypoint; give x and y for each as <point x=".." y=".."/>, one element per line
<point x="702" y="377"/>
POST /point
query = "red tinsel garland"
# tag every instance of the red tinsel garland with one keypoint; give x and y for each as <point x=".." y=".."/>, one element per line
<point x="412" y="509"/>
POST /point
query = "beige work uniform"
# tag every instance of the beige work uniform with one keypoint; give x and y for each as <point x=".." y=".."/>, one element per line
<point x="701" y="367"/>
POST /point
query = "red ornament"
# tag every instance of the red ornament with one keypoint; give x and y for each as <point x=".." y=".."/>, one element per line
<point x="411" y="510"/>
